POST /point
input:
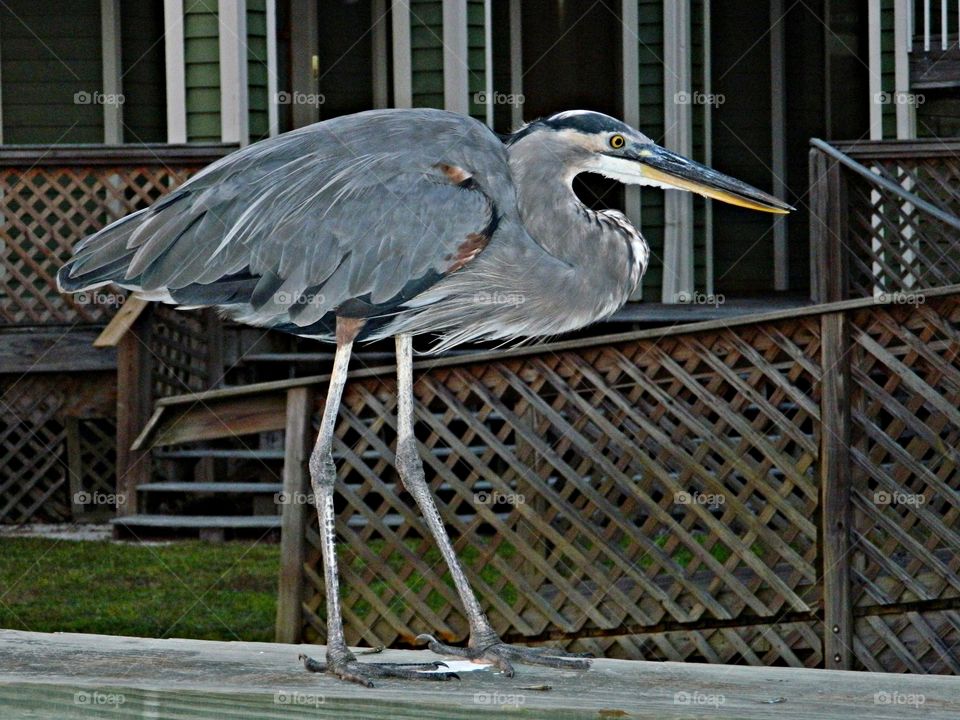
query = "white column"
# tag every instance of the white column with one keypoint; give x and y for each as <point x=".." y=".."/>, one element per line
<point x="273" y="112"/>
<point x="456" y="74"/>
<point x="630" y="60"/>
<point x="234" y="105"/>
<point x="906" y="111"/>
<point x="112" y="84"/>
<point x="402" y="61"/>
<point x="175" y="71"/>
<point x="678" y="136"/>
<point x="874" y="54"/>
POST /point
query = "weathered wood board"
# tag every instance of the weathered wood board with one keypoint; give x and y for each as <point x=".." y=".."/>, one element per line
<point x="67" y="676"/>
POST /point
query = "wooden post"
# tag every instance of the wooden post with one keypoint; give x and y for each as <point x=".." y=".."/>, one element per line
<point x="75" y="467"/>
<point x="295" y="509"/>
<point x="835" y="476"/>
<point x="828" y="230"/>
<point x="134" y="389"/>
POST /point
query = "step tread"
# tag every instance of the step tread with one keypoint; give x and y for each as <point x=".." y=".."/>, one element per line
<point x="199" y="521"/>
<point x="207" y="487"/>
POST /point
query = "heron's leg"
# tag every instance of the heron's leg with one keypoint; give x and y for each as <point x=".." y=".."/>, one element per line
<point x="484" y="642"/>
<point x="340" y="661"/>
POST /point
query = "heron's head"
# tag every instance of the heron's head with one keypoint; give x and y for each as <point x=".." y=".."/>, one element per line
<point x="587" y="141"/>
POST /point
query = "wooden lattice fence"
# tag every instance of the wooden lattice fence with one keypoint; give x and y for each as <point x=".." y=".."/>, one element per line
<point x="887" y="245"/>
<point x="676" y="496"/>
<point x="56" y="446"/>
<point x="50" y="198"/>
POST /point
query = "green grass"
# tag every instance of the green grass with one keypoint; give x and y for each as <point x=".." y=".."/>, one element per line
<point x="186" y="589"/>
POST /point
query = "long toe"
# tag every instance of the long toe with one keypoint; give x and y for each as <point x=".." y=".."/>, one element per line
<point x="503" y="655"/>
<point x="364" y="673"/>
<point x="548" y="657"/>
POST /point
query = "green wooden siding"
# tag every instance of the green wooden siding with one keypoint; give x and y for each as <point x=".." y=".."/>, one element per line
<point x="476" y="57"/>
<point x="426" y="43"/>
<point x="143" y="72"/>
<point x="201" y="50"/>
<point x="257" y="69"/>
<point x="650" y="36"/>
<point x="51" y="71"/>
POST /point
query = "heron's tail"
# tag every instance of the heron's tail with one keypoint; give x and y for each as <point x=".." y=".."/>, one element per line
<point x="102" y="258"/>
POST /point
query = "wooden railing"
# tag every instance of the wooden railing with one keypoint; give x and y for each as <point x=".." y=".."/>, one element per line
<point x="774" y="490"/>
<point x="885" y="218"/>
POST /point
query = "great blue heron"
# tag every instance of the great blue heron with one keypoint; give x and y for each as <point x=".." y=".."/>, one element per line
<point x="392" y="223"/>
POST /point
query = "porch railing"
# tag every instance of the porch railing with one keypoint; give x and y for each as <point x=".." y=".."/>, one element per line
<point x="885" y="218"/>
<point x="52" y="197"/>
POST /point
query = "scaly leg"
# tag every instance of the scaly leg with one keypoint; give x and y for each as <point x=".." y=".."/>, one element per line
<point x="340" y="661"/>
<point x="484" y="643"/>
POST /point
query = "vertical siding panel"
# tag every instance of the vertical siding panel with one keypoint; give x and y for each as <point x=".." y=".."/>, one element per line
<point x="257" y="69"/>
<point x="202" y="57"/>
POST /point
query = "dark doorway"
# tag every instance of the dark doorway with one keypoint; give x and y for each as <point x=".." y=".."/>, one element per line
<point x="572" y="61"/>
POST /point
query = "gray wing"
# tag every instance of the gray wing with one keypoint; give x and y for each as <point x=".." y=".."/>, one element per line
<point x="368" y="209"/>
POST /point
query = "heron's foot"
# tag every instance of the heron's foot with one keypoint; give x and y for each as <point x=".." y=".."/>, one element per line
<point x="346" y="667"/>
<point x="503" y="655"/>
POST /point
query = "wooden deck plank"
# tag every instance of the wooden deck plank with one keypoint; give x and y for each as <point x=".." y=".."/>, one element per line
<point x="68" y="676"/>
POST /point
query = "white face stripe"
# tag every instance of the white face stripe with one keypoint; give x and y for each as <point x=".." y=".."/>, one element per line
<point x="629" y="172"/>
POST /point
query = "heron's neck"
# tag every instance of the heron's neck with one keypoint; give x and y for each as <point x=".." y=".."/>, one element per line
<point x="602" y="243"/>
<point x="550" y="210"/>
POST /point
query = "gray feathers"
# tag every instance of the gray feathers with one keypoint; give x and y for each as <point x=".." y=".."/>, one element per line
<point x="412" y="216"/>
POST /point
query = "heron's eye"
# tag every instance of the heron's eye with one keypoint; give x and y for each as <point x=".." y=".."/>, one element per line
<point x="617" y="142"/>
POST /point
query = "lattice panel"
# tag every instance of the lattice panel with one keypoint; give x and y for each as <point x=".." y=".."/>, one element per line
<point x="179" y="345"/>
<point x="34" y="464"/>
<point x="662" y="481"/>
<point x="894" y="247"/>
<point x="95" y="464"/>
<point x="907" y="453"/>
<point x="794" y="644"/>
<point x="915" y="642"/>
<point x="46" y="211"/>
